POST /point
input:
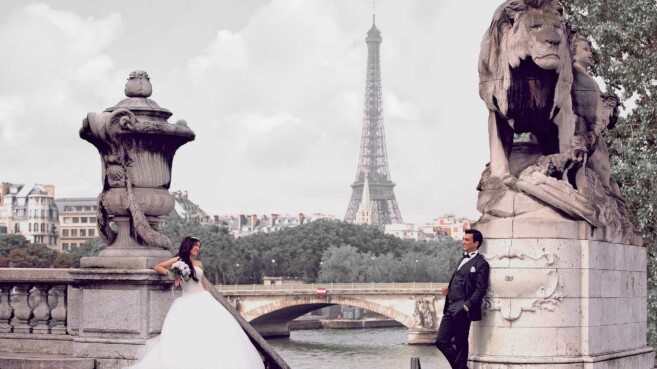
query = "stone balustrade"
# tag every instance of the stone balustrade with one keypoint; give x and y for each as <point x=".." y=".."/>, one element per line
<point x="86" y="318"/>
<point x="393" y="286"/>
<point x="34" y="301"/>
<point x="105" y="315"/>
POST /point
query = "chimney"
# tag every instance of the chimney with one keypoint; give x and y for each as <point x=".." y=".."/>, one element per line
<point x="216" y="218"/>
<point x="185" y="196"/>
<point x="301" y="218"/>
<point x="272" y="220"/>
<point x="50" y="189"/>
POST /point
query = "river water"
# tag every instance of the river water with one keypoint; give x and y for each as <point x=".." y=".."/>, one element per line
<point x="376" y="348"/>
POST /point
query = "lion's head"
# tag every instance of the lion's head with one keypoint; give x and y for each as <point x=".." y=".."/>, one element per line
<point x="522" y="30"/>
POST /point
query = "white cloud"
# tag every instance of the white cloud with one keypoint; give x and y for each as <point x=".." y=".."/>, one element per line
<point x="11" y="110"/>
<point x="394" y="107"/>
<point x="276" y="98"/>
<point x="227" y="53"/>
<point x="56" y="66"/>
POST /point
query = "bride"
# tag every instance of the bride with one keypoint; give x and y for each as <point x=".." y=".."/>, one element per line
<point x="198" y="332"/>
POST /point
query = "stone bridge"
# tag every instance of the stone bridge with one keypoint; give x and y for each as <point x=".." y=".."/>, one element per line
<point x="270" y="308"/>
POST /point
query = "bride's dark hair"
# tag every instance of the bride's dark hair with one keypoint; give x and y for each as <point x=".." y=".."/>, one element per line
<point x="183" y="253"/>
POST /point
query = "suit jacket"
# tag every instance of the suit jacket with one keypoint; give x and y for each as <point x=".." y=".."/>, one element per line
<point x="474" y="287"/>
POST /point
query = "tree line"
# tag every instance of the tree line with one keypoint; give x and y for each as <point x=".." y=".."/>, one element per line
<point x="17" y="252"/>
<point x="315" y="252"/>
<point x="321" y="251"/>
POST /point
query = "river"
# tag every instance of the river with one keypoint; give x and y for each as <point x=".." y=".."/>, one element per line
<point x="376" y="348"/>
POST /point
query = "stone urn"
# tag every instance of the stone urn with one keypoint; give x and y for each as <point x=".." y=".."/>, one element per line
<point x="136" y="144"/>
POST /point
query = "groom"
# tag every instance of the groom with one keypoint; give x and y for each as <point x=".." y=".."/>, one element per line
<point x="463" y="301"/>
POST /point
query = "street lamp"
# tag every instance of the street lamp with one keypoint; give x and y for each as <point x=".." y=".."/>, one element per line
<point x="373" y="258"/>
<point x="273" y="267"/>
<point x="416" y="260"/>
<point x="237" y="273"/>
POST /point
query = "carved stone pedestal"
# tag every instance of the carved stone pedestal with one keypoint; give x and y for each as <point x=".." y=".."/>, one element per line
<point x="556" y="301"/>
<point x="422" y="336"/>
<point x="114" y="312"/>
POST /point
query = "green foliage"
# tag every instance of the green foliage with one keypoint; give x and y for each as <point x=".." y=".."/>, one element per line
<point x="17" y="252"/>
<point x="625" y="41"/>
<point x="217" y="250"/>
<point x="90" y="248"/>
<point x="343" y="264"/>
<point x="9" y="242"/>
<point x="35" y="256"/>
<point x="417" y="262"/>
<point x="298" y="252"/>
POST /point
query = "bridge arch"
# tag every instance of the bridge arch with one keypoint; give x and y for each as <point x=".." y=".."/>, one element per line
<point x="292" y="307"/>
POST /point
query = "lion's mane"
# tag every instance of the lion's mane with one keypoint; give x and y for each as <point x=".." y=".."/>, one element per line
<point x="504" y="46"/>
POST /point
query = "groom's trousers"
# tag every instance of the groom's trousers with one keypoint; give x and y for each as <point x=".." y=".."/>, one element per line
<point x="453" y="333"/>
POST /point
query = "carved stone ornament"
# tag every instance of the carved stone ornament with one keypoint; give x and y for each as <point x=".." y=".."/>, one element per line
<point x="424" y="314"/>
<point x="136" y="144"/>
<point x="514" y="291"/>
<point x="546" y="122"/>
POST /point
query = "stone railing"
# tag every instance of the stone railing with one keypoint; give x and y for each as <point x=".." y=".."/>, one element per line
<point x="424" y="286"/>
<point x="34" y="301"/>
<point x="41" y="313"/>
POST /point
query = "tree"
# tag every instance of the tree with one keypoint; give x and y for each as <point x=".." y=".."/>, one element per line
<point x="624" y="35"/>
<point x="90" y="248"/>
<point x="34" y="256"/>
<point x="417" y="262"/>
<point x="343" y="264"/>
<point x="217" y="250"/>
<point x="9" y="242"/>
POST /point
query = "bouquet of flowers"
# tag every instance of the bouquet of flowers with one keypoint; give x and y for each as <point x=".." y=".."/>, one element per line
<point x="179" y="270"/>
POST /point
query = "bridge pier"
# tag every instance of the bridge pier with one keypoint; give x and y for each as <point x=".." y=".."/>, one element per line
<point x="422" y="336"/>
<point x="273" y="330"/>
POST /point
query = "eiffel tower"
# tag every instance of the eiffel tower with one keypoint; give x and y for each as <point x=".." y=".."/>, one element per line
<point x="373" y="158"/>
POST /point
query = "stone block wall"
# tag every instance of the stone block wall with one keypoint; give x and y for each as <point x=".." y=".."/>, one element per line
<point x="563" y="302"/>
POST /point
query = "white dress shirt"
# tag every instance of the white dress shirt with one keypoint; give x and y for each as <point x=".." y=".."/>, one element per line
<point x="472" y="254"/>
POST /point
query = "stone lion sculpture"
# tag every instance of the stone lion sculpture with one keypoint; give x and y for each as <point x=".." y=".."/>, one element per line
<point x="560" y="169"/>
<point x="525" y="79"/>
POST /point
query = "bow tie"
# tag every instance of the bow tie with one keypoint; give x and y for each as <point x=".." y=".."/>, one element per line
<point x="466" y="256"/>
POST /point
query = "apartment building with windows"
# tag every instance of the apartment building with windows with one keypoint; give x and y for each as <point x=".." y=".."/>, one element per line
<point x="77" y="220"/>
<point x="447" y="226"/>
<point x="29" y="210"/>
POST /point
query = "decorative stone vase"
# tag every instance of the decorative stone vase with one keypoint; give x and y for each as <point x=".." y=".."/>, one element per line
<point x="137" y="145"/>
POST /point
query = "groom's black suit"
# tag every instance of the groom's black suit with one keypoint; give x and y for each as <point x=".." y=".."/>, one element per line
<point x="467" y="287"/>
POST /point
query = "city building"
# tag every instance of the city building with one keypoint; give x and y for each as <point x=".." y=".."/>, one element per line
<point x="447" y="226"/>
<point x="407" y="232"/>
<point x="29" y="210"/>
<point x="77" y="222"/>
<point x="185" y="208"/>
<point x="244" y="225"/>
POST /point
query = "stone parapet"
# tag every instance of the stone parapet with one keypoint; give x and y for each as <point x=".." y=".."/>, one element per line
<point x="563" y="303"/>
<point x="79" y="313"/>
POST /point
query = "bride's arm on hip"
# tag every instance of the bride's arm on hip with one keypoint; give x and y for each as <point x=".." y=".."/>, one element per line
<point x="162" y="267"/>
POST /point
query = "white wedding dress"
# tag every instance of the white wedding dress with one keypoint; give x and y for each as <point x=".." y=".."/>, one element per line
<point x="199" y="333"/>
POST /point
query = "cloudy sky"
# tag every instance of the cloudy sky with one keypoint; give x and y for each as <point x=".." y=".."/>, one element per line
<point x="273" y="90"/>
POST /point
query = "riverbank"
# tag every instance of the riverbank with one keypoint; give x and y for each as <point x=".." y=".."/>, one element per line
<point x="303" y="324"/>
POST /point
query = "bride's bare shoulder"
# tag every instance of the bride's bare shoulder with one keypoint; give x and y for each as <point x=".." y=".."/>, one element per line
<point x="197" y="263"/>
